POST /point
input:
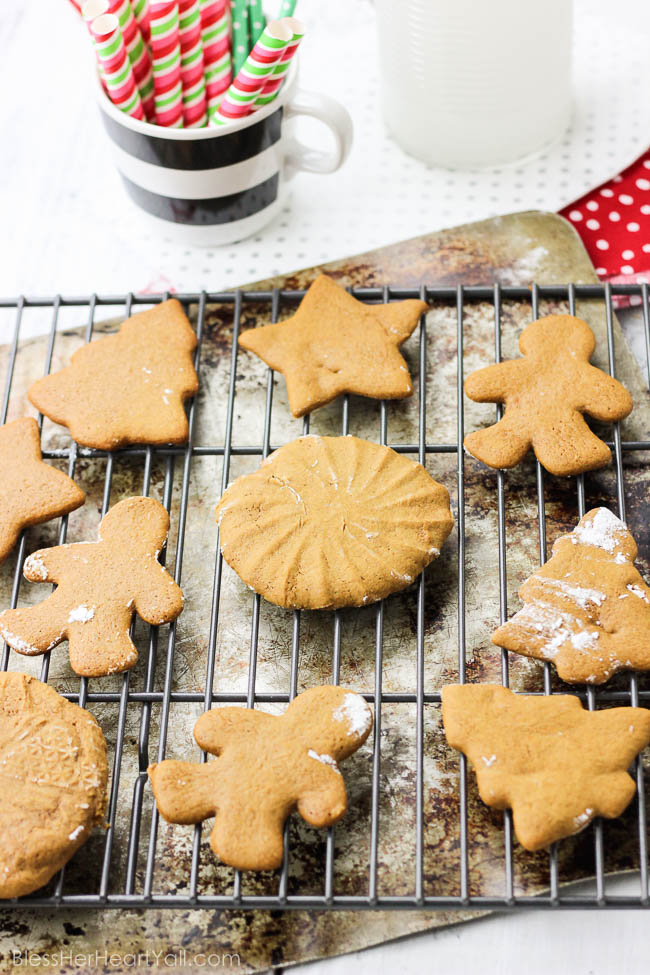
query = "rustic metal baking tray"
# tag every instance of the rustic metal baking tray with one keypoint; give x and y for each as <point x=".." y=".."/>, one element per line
<point x="416" y="835"/>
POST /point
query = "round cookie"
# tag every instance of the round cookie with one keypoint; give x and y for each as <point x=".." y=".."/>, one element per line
<point x="328" y="522"/>
<point x="53" y="776"/>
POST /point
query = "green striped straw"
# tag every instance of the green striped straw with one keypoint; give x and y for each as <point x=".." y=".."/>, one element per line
<point x="287" y="8"/>
<point x="239" y="10"/>
<point x="274" y="83"/>
<point x="256" y="21"/>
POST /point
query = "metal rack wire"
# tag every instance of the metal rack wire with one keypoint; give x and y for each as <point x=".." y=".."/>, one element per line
<point x="105" y="895"/>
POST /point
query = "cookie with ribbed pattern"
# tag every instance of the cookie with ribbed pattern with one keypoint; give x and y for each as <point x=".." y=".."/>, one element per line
<point x="545" y="395"/>
<point x="126" y="388"/>
<point x="53" y="777"/>
<point x="328" y="522"/>
<point x="556" y="765"/>
<point x="336" y="344"/>
<point x="266" y="766"/>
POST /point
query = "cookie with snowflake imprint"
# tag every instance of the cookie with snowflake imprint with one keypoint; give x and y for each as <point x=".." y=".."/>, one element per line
<point x="53" y="777"/>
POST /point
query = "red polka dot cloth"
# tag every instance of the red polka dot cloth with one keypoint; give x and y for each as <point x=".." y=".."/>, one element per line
<point x="614" y="223"/>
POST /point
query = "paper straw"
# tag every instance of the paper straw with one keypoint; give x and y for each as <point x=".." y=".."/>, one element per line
<point x="138" y="53"/>
<point x="256" y="21"/>
<point x="192" y="68"/>
<point x="215" y="35"/>
<point x="245" y="89"/>
<point x="287" y="8"/>
<point x="240" y="46"/>
<point x="270" y="89"/>
<point x="116" y="67"/>
<point x="141" y="14"/>
<point x="166" y="62"/>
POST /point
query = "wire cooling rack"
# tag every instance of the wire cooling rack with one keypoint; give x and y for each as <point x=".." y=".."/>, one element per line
<point x="134" y="894"/>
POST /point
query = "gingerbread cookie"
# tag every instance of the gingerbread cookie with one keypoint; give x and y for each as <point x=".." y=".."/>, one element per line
<point x="545" y="395"/>
<point x="328" y="522"/>
<point x="126" y="388"/>
<point x="555" y="764"/>
<point x="588" y="609"/>
<point x="335" y="344"/>
<point x="53" y="776"/>
<point x="267" y="766"/>
<point x="31" y="491"/>
<point x="100" y="585"/>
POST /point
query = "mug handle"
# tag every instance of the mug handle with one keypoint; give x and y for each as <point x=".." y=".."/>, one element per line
<point x="335" y="117"/>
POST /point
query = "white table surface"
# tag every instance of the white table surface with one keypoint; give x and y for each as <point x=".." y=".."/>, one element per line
<point x="68" y="227"/>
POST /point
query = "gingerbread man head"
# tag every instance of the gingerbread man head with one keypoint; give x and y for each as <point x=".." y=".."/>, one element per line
<point x="267" y="766"/>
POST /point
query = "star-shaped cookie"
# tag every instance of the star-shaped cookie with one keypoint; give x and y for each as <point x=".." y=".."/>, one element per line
<point x="335" y="344"/>
<point x="31" y="491"/>
<point x="267" y="766"/>
<point x="554" y="763"/>
<point x="545" y="395"/>
<point x="126" y="388"/>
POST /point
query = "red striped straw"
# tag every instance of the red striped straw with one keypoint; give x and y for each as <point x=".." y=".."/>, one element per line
<point x="166" y="58"/>
<point x="240" y="98"/>
<point x="216" y="50"/>
<point x="115" y="65"/>
<point x="275" y="81"/>
<point x="136" y="49"/>
<point x="192" y="67"/>
<point x="141" y="14"/>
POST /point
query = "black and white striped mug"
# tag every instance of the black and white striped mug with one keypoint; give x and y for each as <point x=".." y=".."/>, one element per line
<point x="214" y="186"/>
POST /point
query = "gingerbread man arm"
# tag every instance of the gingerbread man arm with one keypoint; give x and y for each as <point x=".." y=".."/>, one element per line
<point x="160" y="598"/>
<point x="502" y="445"/>
<point x="493" y="383"/>
<point x="219" y="727"/>
<point x="604" y="397"/>
<point x="324" y="804"/>
<point x="185" y="792"/>
<point x="48" y="564"/>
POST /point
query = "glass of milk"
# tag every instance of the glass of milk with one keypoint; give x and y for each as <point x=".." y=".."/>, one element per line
<point x="475" y="83"/>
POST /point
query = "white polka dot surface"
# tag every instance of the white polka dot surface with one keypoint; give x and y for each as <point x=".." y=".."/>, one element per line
<point x="72" y="229"/>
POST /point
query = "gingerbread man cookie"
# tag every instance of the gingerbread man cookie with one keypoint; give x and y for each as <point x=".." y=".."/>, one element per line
<point x="100" y="585"/>
<point x="267" y="766"/>
<point x="555" y="764"/>
<point x="587" y="609"/>
<point x="126" y="388"/>
<point x="53" y="776"/>
<point x="335" y="344"/>
<point x="545" y="395"/>
<point x="31" y="491"/>
<point x="328" y="522"/>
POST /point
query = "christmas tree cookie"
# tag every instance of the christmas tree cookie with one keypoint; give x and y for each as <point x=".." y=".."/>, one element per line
<point x="587" y="609"/>
<point x="553" y="763"/>
<point x="545" y="395"/>
<point x="126" y="388"/>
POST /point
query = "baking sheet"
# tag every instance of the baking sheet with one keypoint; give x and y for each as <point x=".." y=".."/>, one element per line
<point x="512" y="250"/>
